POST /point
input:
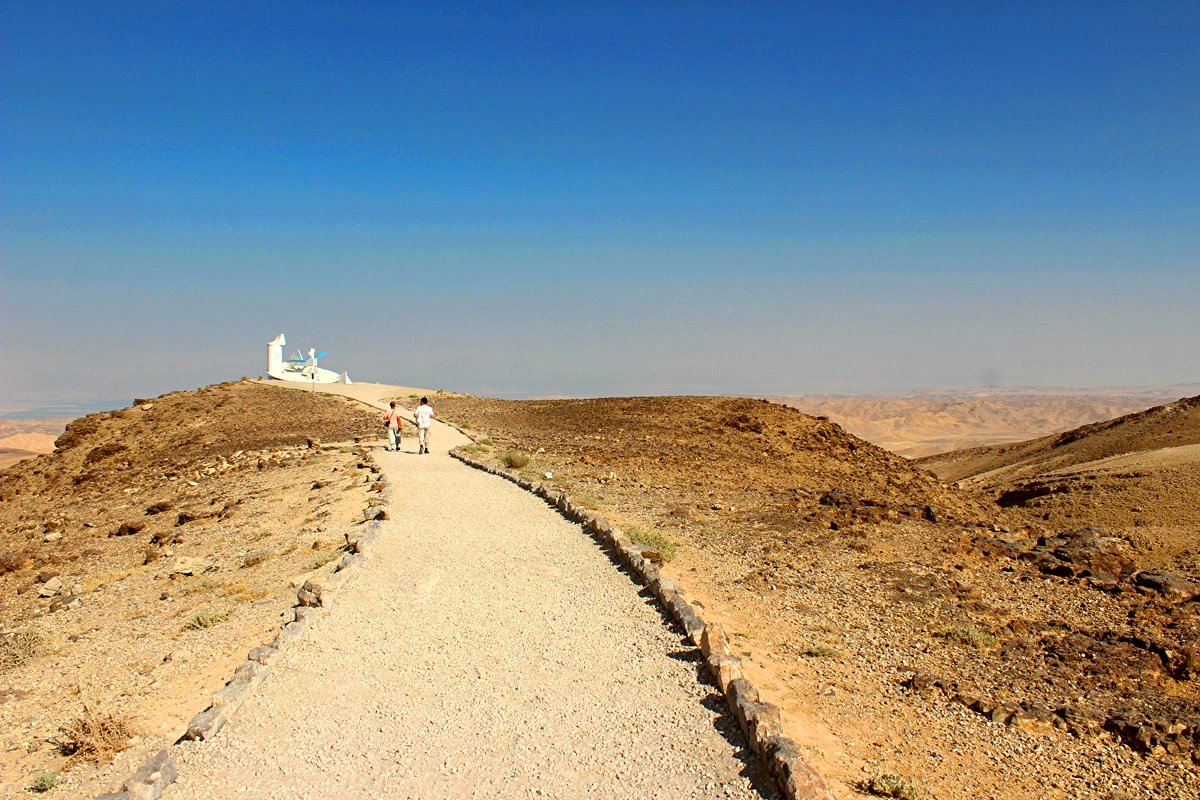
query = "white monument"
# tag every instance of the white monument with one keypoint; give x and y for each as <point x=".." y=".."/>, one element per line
<point x="299" y="369"/>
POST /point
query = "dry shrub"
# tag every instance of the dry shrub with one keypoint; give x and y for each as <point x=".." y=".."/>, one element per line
<point x="890" y="785"/>
<point x="206" y="619"/>
<point x="18" y="647"/>
<point x="94" y="737"/>
<point x="516" y="459"/>
<point x="654" y="538"/>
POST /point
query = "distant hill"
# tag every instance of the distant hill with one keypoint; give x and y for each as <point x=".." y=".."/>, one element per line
<point x="1139" y="473"/>
<point x="917" y="425"/>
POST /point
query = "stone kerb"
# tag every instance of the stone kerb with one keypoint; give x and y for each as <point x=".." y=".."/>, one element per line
<point x="761" y="722"/>
<point x="149" y="781"/>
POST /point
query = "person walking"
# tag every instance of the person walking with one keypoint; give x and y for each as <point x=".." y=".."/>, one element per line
<point x="425" y="415"/>
<point x="395" y="427"/>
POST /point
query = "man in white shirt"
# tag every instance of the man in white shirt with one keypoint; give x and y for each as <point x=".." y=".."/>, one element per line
<point x="425" y="415"/>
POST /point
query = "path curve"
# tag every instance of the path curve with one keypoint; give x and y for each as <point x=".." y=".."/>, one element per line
<point x="488" y="648"/>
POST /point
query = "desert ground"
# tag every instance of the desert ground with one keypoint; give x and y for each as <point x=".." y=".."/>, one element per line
<point x="937" y="629"/>
<point x="141" y="560"/>
<point x="907" y="626"/>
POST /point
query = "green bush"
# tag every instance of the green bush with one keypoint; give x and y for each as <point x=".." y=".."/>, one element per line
<point x="44" y="781"/>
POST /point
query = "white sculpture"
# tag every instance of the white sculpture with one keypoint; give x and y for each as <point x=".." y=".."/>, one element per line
<point x="299" y="369"/>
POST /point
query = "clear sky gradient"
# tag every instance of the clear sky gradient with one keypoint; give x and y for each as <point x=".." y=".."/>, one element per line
<point x="599" y="198"/>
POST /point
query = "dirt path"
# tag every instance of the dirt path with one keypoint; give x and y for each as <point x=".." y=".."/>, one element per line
<point x="488" y="649"/>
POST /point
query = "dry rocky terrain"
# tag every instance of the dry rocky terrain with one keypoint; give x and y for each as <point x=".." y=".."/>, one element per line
<point x="1138" y="476"/>
<point x="143" y="558"/>
<point x="907" y="626"/>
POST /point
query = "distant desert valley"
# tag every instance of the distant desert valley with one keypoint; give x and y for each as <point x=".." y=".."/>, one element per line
<point x="23" y="438"/>
<point x="923" y="424"/>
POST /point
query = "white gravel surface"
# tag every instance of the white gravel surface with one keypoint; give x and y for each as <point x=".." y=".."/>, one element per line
<point x="488" y="648"/>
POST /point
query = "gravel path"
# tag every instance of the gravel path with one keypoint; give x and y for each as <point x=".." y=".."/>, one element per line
<point x="487" y="649"/>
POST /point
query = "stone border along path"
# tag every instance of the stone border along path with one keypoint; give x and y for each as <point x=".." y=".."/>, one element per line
<point x="150" y="780"/>
<point x="761" y="722"/>
<point x="684" y="759"/>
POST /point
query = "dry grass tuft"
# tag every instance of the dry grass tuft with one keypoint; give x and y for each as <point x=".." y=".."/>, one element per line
<point x="206" y="619"/>
<point x="967" y="635"/>
<point x="44" y="781"/>
<point x="516" y="459"/>
<point x="653" y="538"/>
<point x="94" y="737"/>
<point x="19" y="647"/>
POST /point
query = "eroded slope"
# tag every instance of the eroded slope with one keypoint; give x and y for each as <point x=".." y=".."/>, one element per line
<point x="141" y="560"/>
<point x="905" y="625"/>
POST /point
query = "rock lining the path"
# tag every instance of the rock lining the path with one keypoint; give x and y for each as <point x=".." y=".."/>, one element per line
<point x="153" y="776"/>
<point x="761" y="722"/>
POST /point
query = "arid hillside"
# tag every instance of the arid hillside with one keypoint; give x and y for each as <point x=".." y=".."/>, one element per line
<point x="142" y="559"/>
<point x="1137" y="475"/>
<point x="916" y="425"/>
<point x="907" y="627"/>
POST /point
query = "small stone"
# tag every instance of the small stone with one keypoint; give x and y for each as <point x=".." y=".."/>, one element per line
<point x="67" y="601"/>
<point x="51" y="587"/>
<point x="130" y="528"/>
<point x="190" y="565"/>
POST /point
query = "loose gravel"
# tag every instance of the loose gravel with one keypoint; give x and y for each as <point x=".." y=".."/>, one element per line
<point x="487" y="649"/>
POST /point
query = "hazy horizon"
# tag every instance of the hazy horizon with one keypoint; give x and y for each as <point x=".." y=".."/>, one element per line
<point x="636" y="199"/>
<point x="1153" y="394"/>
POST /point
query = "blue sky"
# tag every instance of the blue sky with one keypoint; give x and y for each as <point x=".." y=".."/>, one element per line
<point x="599" y="198"/>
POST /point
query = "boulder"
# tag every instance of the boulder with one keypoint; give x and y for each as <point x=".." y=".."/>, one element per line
<point x="1167" y="585"/>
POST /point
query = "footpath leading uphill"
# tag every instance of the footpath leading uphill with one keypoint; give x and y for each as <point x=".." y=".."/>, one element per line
<point x="486" y="649"/>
